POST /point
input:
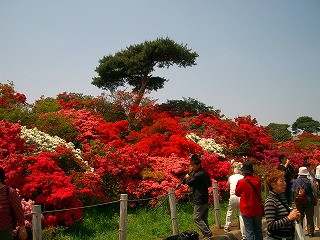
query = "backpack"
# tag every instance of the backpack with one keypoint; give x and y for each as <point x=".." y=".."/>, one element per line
<point x="300" y="195"/>
<point x="14" y="221"/>
<point x="186" y="235"/>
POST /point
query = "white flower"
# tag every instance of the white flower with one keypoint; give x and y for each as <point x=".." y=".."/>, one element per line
<point x="208" y="144"/>
<point x="47" y="142"/>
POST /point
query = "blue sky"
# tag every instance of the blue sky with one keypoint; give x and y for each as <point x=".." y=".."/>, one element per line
<point x="258" y="58"/>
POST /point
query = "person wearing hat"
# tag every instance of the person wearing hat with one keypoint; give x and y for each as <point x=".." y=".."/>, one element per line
<point x="308" y="208"/>
<point x="199" y="181"/>
<point x="10" y="203"/>
<point x="316" y="207"/>
<point x="251" y="207"/>
<point x="234" y="201"/>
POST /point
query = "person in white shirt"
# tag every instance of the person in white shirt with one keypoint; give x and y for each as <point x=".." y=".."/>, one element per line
<point x="234" y="201"/>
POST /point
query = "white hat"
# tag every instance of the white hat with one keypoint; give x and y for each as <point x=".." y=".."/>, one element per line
<point x="303" y="171"/>
<point x="317" y="172"/>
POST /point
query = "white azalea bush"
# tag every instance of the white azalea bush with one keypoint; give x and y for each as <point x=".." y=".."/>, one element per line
<point x="208" y="144"/>
<point x="45" y="142"/>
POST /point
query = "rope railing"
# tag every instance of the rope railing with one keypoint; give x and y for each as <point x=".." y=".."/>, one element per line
<point x="101" y="204"/>
<point x="36" y="211"/>
<point x="90" y="206"/>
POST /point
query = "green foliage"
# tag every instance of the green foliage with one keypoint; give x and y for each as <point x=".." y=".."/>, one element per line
<point x="67" y="161"/>
<point x="306" y="124"/>
<point x="142" y="223"/>
<point x="279" y="132"/>
<point x="187" y="106"/>
<point x="56" y="124"/>
<point x="134" y="65"/>
<point x="16" y="114"/>
<point x="45" y="105"/>
<point x="52" y="232"/>
<point x="111" y="113"/>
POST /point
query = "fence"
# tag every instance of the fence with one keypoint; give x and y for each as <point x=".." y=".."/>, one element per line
<point x="36" y="214"/>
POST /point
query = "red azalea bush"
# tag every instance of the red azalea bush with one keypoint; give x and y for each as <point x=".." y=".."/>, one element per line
<point x="118" y="168"/>
<point x="163" y="138"/>
<point x="48" y="185"/>
<point x="37" y="177"/>
<point x="89" y="187"/>
<point x="164" y="173"/>
<point x="10" y="142"/>
<point x="143" y="155"/>
<point x="9" y="97"/>
<point x="217" y="168"/>
<point x="243" y="136"/>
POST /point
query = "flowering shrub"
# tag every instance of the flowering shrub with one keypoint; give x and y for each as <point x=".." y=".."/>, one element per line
<point x="85" y="123"/>
<point x="164" y="173"/>
<point x="48" y="185"/>
<point x="208" y="144"/>
<point x="27" y="208"/>
<point x="119" y="168"/>
<point x="10" y="142"/>
<point x="163" y="138"/>
<point x="9" y="97"/>
<point x="89" y="187"/>
<point x="69" y="157"/>
<point x="45" y="142"/>
<point x="143" y="152"/>
<point x="243" y="137"/>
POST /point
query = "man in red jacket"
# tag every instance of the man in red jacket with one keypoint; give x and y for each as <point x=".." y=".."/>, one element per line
<point x="251" y="207"/>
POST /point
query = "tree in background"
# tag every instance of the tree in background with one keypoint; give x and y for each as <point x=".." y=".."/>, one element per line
<point x="279" y="132"/>
<point x="306" y="124"/>
<point x="134" y="65"/>
<point x="13" y="105"/>
<point x="46" y="105"/>
<point x="187" y="106"/>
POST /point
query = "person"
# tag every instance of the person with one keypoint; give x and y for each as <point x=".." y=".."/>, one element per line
<point x="316" y="207"/>
<point x="234" y="201"/>
<point x="311" y="171"/>
<point x="278" y="215"/>
<point x="251" y="207"/>
<point x="284" y="165"/>
<point x="311" y="176"/>
<point x="199" y="181"/>
<point x="10" y="203"/>
<point x="306" y="209"/>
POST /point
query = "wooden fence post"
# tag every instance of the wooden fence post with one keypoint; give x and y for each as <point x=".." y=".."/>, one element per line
<point x="123" y="216"/>
<point x="36" y="222"/>
<point x="173" y="211"/>
<point x="216" y="203"/>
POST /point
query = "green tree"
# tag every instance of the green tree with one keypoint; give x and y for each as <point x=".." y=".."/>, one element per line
<point x="187" y="106"/>
<point x="134" y="65"/>
<point x="279" y="132"/>
<point x="56" y="124"/>
<point x="306" y="124"/>
<point x="45" y="105"/>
